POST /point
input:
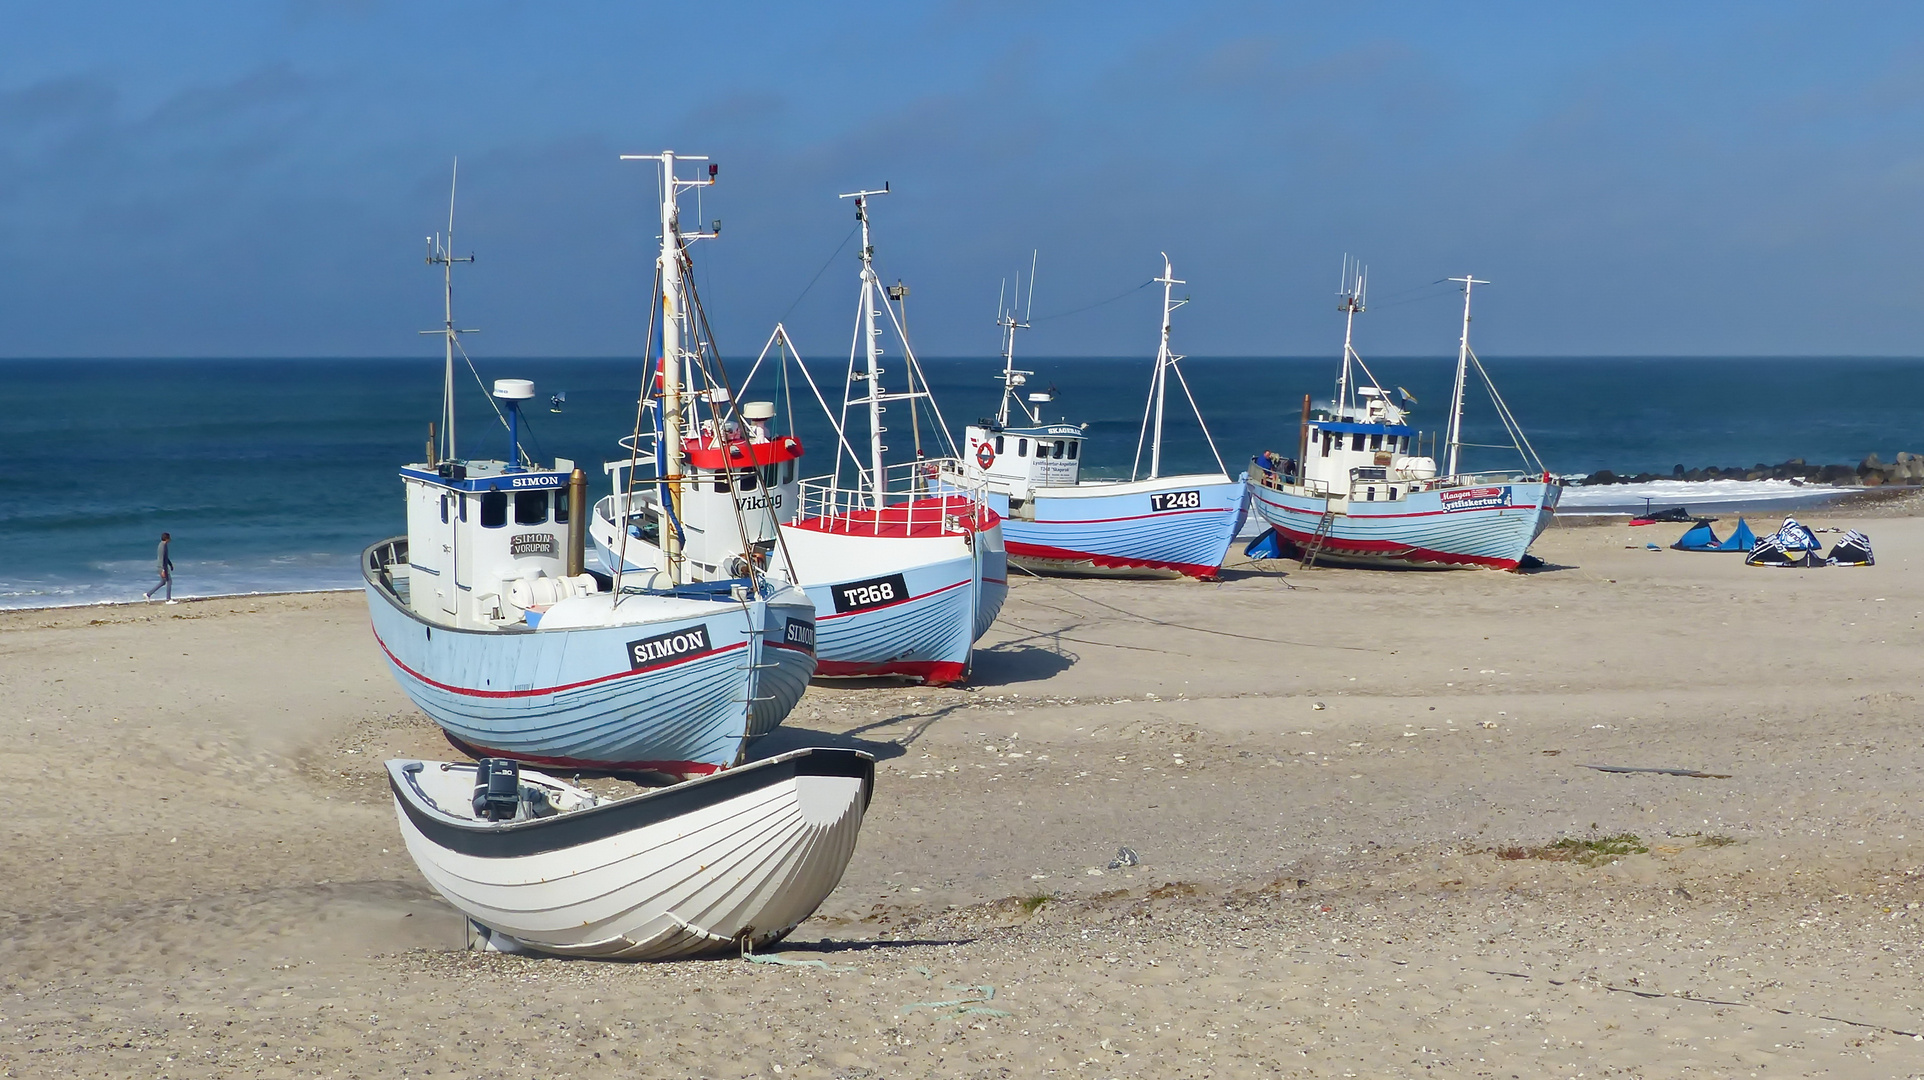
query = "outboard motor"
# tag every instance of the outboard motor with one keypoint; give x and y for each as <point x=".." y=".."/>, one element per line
<point x="497" y="789"/>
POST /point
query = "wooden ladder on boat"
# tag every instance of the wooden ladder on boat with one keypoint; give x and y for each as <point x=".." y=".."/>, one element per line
<point x="1320" y="537"/>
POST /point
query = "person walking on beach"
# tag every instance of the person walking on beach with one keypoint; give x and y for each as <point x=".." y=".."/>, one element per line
<point x="165" y="564"/>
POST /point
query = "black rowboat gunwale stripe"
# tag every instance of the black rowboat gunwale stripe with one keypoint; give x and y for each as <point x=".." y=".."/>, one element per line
<point x="489" y="840"/>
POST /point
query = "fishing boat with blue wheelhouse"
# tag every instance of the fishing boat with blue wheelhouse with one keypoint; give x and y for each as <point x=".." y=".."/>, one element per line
<point x="1359" y="491"/>
<point x="1056" y="521"/>
<point x="905" y="577"/>
<point x="493" y="626"/>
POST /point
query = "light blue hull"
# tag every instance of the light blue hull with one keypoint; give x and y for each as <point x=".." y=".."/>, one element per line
<point x="929" y="634"/>
<point x="1490" y="525"/>
<point x="577" y="697"/>
<point x="1089" y="529"/>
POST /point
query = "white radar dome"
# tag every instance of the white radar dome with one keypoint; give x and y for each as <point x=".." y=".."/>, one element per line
<point x="758" y="411"/>
<point x="513" y="389"/>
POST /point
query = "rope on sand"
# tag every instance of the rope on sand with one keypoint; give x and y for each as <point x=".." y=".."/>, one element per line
<point x="757" y="958"/>
<point x="973" y="1003"/>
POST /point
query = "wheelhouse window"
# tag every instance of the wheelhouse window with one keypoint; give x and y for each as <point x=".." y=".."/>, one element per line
<point x="1059" y="449"/>
<point x="1325" y="442"/>
<point x="530" y="508"/>
<point x="1022" y="448"/>
<point x="748" y="480"/>
<point x="444" y="509"/>
<point x="1356" y="440"/>
<point x="998" y="444"/>
<point x="1376" y="440"/>
<point x="1074" y="445"/>
<point x="788" y="471"/>
<point x="494" y="509"/>
<point x="721" y="483"/>
<point x="561" y="506"/>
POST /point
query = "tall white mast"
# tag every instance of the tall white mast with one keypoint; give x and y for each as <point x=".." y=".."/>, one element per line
<point x="1164" y="359"/>
<point x="1462" y="369"/>
<point x="1354" y="285"/>
<point x="1011" y="378"/>
<point x="674" y="323"/>
<point x="872" y="340"/>
<point x="441" y="253"/>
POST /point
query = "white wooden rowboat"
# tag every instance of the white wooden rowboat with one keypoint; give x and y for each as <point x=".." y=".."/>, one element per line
<point x="729" y="861"/>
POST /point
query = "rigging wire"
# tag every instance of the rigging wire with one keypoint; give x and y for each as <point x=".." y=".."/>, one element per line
<point x="1097" y="304"/>
<point x="818" y="274"/>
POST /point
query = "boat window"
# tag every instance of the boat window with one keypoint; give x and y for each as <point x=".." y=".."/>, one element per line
<point x="1074" y="445"/>
<point x="1356" y="440"/>
<point x="444" y="509"/>
<point x="998" y="444"/>
<point x="462" y="500"/>
<point x="1392" y="494"/>
<point x="530" y="508"/>
<point x="1369" y="494"/>
<point x="1325" y="444"/>
<point x="494" y="509"/>
<point x="1059" y="448"/>
<point x="748" y="480"/>
<point x="721" y="483"/>
<point x="1022" y="448"/>
<point x="1376" y="441"/>
<point x="771" y="475"/>
<point x="788" y="471"/>
<point x="561" y="506"/>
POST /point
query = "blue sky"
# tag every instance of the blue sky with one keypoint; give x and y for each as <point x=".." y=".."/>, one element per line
<point x="254" y="179"/>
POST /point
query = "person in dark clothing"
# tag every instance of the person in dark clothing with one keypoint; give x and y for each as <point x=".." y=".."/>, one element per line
<point x="165" y="564"/>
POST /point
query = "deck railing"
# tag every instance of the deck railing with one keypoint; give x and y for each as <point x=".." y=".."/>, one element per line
<point x="915" y="498"/>
<point x="1277" y="480"/>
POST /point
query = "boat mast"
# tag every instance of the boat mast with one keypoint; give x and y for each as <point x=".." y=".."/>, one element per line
<point x="1164" y="359"/>
<point x="442" y="255"/>
<point x="1011" y="378"/>
<point x="865" y="325"/>
<point x="672" y="264"/>
<point x="1351" y="306"/>
<point x="1462" y="369"/>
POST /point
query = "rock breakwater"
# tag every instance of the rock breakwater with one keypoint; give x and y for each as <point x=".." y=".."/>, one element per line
<point x="1907" y="469"/>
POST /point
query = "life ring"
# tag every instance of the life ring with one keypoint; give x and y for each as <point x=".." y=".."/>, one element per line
<point x="985" y="455"/>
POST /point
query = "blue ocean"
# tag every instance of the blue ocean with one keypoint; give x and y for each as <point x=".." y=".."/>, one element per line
<point x="272" y="475"/>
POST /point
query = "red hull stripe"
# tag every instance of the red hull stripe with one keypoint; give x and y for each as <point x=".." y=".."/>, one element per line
<point x="1044" y="551"/>
<point x="1337" y="546"/>
<point x="672" y="768"/>
<point x="933" y="672"/>
<point x="469" y="692"/>
<point x="890" y="604"/>
<point x="1385" y="517"/>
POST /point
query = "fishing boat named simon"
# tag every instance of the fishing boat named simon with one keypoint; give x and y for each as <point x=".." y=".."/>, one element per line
<point x="723" y="863"/>
<point x="905" y="578"/>
<point x="1359" y="490"/>
<point x="1056" y="521"/>
<point x="492" y="625"/>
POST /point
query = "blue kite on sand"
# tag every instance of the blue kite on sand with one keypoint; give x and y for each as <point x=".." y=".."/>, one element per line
<point x="1702" y="538"/>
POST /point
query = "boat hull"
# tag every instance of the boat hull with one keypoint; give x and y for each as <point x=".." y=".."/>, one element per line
<point x="1486" y="525"/>
<point x="714" y="865"/>
<point x="1179" y="526"/>
<point x="720" y="674"/>
<point x="905" y="606"/>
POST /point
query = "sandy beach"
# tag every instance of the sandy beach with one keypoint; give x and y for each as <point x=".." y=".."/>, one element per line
<point x="1346" y="790"/>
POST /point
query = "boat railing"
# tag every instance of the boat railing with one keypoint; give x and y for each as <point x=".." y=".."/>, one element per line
<point x="916" y="498"/>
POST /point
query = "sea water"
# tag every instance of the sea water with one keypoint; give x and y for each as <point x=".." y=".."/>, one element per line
<point x="274" y="474"/>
